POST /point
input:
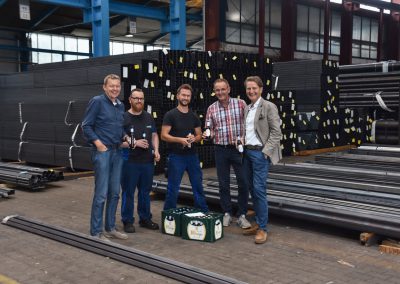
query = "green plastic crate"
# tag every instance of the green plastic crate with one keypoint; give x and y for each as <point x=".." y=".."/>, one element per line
<point x="172" y="220"/>
<point x="202" y="227"/>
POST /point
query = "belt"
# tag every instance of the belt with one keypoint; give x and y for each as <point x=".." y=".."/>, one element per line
<point x="229" y="146"/>
<point x="113" y="146"/>
<point x="254" y="147"/>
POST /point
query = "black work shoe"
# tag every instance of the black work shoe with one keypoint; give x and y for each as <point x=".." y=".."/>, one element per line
<point x="148" y="224"/>
<point x="129" y="228"/>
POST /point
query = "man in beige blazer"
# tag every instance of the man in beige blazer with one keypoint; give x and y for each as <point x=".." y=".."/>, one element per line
<point x="262" y="147"/>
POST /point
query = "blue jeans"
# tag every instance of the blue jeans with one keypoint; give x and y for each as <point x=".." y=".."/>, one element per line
<point x="177" y="165"/>
<point x="224" y="158"/>
<point x="107" y="176"/>
<point x="257" y="166"/>
<point x="134" y="175"/>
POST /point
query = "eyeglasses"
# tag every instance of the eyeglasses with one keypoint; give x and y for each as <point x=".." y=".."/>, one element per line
<point x="137" y="99"/>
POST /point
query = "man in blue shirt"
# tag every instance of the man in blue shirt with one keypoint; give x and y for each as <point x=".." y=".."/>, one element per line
<point x="103" y="128"/>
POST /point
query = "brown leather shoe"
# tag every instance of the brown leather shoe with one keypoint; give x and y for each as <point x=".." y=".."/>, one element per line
<point x="261" y="237"/>
<point x="251" y="231"/>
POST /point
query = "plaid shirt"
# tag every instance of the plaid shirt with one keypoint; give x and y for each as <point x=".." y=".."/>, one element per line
<point x="226" y="124"/>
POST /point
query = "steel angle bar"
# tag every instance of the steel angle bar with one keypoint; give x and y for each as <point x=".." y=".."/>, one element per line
<point x="160" y="265"/>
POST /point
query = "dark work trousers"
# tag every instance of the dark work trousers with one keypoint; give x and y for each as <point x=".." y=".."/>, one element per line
<point x="225" y="157"/>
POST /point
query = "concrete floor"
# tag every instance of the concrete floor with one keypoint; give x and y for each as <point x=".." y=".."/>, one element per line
<point x="296" y="252"/>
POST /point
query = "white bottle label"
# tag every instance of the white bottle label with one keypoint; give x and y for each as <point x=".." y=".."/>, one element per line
<point x="169" y="225"/>
<point x="196" y="230"/>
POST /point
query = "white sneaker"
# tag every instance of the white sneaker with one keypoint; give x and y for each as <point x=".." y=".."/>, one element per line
<point x="243" y="223"/>
<point x="226" y="220"/>
<point x="116" y="235"/>
<point x="102" y="237"/>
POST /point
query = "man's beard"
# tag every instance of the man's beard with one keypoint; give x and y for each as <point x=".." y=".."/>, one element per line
<point x="137" y="107"/>
<point x="183" y="103"/>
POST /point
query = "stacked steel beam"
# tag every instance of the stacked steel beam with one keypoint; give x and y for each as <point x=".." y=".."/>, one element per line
<point x="163" y="74"/>
<point x="315" y="85"/>
<point x="377" y="150"/>
<point x="6" y="192"/>
<point x="41" y="121"/>
<point x="362" y="161"/>
<point x="373" y="91"/>
<point x="28" y="177"/>
<point x="336" y="196"/>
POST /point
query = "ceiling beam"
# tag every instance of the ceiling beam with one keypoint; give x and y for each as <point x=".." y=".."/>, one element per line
<point x="70" y="3"/>
<point x="43" y="17"/>
<point x="128" y="9"/>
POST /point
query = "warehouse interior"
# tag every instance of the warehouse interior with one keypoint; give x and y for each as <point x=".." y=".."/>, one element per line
<point x="331" y="67"/>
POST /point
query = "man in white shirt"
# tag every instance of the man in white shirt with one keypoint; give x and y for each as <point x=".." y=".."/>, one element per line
<point x="262" y="147"/>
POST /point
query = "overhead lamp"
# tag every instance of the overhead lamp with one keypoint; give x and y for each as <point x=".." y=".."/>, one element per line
<point x="24" y="10"/>
<point x="131" y="29"/>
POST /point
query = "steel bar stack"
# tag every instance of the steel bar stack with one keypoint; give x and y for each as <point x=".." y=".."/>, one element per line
<point x="6" y="192"/>
<point x="161" y="76"/>
<point x="47" y="175"/>
<point x="318" y="121"/>
<point x="150" y="262"/>
<point x="361" y="161"/>
<point x="333" y="196"/>
<point x="377" y="150"/>
<point x="372" y="90"/>
<point x="43" y="108"/>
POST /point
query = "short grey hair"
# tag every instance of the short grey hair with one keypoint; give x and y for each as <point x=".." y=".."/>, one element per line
<point x="111" y="77"/>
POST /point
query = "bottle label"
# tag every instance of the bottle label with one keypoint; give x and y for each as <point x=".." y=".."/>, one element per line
<point x="169" y="225"/>
<point x="196" y="230"/>
<point x="218" y="229"/>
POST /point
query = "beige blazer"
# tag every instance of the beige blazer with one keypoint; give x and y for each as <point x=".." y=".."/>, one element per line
<point x="268" y="129"/>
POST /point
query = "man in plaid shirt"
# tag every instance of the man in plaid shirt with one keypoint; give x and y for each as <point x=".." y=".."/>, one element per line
<point x="225" y="119"/>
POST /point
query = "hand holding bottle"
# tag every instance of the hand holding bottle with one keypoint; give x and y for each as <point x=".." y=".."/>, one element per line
<point x="207" y="132"/>
<point x="239" y="145"/>
<point x="190" y="138"/>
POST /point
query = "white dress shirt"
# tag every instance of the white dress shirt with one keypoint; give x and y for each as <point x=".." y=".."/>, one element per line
<point x="251" y="136"/>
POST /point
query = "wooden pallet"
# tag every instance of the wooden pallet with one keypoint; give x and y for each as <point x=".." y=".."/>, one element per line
<point x="324" y="150"/>
<point x="390" y="246"/>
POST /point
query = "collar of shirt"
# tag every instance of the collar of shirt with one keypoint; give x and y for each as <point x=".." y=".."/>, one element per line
<point x="256" y="104"/>
<point x="229" y="102"/>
